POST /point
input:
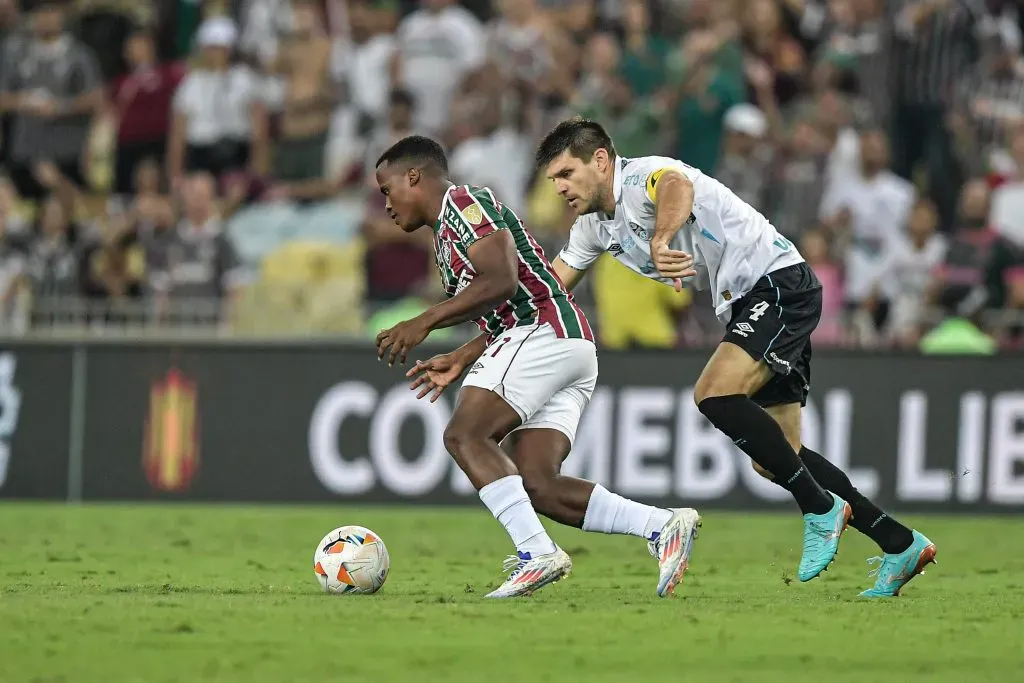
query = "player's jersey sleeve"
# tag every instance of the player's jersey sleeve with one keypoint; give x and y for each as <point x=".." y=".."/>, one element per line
<point x="473" y="213"/>
<point x="584" y="247"/>
<point x="641" y="177"/>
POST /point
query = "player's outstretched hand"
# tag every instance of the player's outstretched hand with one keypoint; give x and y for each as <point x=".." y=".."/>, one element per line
<point x="401" y="339"/>
<point x="435" y="375"/>
<point x="672" y="263"/>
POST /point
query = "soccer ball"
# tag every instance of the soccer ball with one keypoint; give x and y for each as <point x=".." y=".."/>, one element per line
<point x="351" y="559"/>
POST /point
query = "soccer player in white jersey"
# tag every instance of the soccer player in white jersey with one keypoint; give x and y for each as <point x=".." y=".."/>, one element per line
<point x="672" y="223"/>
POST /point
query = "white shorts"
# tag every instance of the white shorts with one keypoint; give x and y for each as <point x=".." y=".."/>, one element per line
<point x="547" y="380"/>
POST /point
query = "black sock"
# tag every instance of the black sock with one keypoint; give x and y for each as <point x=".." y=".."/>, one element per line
<point x="868" y="518"/>
<point x="760" y="437"/>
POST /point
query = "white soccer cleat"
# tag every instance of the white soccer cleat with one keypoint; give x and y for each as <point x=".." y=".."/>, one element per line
<point x="673" y="546"/>
<point x="532" y="573"/>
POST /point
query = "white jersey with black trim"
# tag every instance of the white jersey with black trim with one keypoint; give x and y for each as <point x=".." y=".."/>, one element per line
<point x="732" y="244"/>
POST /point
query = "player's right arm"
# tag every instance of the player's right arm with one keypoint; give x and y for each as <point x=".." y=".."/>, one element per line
<point x="569" y="276"/>
<point x="579" y="254"/>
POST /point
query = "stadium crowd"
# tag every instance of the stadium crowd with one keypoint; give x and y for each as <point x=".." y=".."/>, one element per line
<point x="194" y="163"/>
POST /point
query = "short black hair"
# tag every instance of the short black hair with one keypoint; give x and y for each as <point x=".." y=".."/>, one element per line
<point x="418" y="151"/>
<point x="580" y="136"/>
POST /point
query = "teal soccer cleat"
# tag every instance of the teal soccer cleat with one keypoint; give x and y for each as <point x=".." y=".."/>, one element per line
<point x="897" y="569"/>
<point x="821" y="538"/>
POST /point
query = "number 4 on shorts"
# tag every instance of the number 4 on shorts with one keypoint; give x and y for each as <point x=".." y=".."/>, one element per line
<point x="758" y="310"/>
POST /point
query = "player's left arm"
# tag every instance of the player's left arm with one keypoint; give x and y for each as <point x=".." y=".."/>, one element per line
<point x="496" y="262"/>
<point x="672" y="194"/>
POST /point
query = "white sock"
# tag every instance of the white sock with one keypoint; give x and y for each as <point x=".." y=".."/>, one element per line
<point x="610" y="513"/>
<point x="507" y="500"/>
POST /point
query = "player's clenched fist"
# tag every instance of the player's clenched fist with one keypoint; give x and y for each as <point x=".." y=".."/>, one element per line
<point x="672" y="263"/>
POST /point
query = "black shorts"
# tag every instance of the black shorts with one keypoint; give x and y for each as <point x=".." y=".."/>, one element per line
<point x="773" y="323"/>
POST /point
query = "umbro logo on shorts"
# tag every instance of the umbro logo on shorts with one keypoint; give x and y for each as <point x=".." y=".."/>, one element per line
<point x="743" y="329"/>
<point x="476" y="366"/>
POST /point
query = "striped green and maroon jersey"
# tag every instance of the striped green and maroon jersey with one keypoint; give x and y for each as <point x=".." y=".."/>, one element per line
<point x="469" y="213"/>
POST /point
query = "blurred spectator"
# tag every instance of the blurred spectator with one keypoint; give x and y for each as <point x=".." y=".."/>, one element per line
<point x="220" y="118"/>
<point x="105" y="25"/>
<point x="473" y="160"/>
<point x="11" y="34"/>
<point x="765" y="37"/>
<point x="142" y="104"/>
<point x="839" y="119"/>
<point x="12" y="274"/>
<point x="52" y="85"/>
<point x="797" y="181"/>
<point x="153" y="222"/>
<point x="309" y="98"/>
<point x="10" y="18"/>
<point x="961" y="277"/>
<point x="196" y="267"/>
<point x="936" y="44"/>
<point x="396" y="126"/>
<point x="743" y="167"/>
<point x="644" y="54"/>
<point x="16" y="223"/>
<point x="1007" y="214"/>
<point x="439" y="46"/>
<point x="54" y="264"/>
<point x="990" y="100"/>
<point x="865" y="40"/>
<point x="263" y="23"/>
<point x="517" y="44"/>
<point x="1006" y="218"/>
<point x="868" y="213"/>
<point x="115" y="270"/>
<point x="906" y="277"/>
<point x="814" y="248"/>
<point x="148" y="193"/>
<point x="366" y="60"/>
<point x="600" y="67"/>
<point x="633" y="122"/>
<point x="704" y="83"/>
<point x="578" y="18"/>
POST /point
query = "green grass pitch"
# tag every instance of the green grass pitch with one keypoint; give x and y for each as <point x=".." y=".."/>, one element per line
<point x="156" y="593"/>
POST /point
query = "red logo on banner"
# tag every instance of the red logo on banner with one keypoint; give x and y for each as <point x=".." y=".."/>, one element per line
<point x="170" y="455"/>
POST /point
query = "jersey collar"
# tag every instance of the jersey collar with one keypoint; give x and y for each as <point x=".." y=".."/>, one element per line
<point x="444" y="200"/>
<point x="620" y="164"/>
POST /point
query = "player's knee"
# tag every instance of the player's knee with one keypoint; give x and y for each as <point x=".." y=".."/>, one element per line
<point x="716" y="408"/>
<point x="703" y="390"/>
<point x="456" y="437"/>
<point x="708" y="388"/>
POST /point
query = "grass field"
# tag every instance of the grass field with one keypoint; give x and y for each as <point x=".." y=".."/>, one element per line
<point x="190" y="593"/>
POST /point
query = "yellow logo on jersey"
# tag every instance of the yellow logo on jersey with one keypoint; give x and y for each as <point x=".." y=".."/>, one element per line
<point x="473" y="214"/>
